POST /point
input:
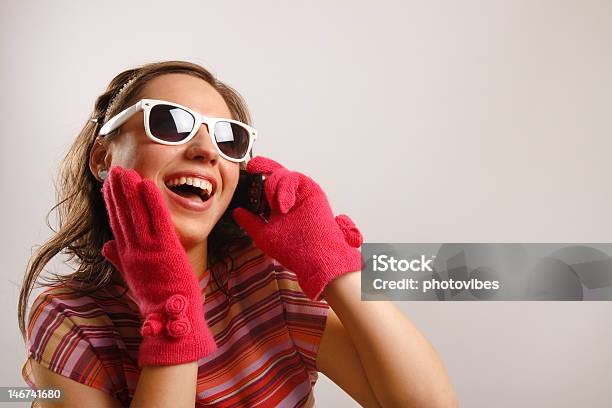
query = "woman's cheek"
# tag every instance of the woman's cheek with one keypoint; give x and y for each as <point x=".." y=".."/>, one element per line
<point x="227" y="199"/>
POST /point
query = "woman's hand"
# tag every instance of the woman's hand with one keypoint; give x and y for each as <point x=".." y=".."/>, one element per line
<point x="302" y="232"/>
<point x="148" y="253"/>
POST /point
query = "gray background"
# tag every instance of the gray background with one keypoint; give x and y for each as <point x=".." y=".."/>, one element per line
<point x="426" y="121"/>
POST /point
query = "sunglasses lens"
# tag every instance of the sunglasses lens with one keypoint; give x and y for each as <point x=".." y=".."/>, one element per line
<point x="232" y="139"/>
<point x="170" y="123"/>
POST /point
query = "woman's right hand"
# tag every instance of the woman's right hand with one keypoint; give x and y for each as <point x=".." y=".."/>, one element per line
<point x="149" y="255"/>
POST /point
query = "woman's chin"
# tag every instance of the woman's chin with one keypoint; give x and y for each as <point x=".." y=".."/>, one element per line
<point x="193" y="235"/>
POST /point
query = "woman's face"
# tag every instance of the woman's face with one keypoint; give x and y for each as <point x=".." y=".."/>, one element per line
<point x="131" y="148"/>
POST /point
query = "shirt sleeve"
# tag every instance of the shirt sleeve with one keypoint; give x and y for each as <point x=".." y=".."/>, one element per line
<point x="61" y="345"/>
<point x="306" y="318"/>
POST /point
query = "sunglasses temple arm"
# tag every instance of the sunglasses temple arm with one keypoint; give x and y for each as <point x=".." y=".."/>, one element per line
<point x="119" y="119"/>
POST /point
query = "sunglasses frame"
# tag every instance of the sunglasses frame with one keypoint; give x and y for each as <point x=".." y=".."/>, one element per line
<point x="147" y="104"/>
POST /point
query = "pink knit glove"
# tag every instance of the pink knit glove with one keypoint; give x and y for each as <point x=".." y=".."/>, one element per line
<point x="150" y="257"/>
<point x="302" y="232"/>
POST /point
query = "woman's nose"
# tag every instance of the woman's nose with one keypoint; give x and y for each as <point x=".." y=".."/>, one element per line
<point x="201" y="146"/>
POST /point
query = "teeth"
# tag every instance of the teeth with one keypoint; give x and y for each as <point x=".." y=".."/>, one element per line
<point x="203" y="185"/>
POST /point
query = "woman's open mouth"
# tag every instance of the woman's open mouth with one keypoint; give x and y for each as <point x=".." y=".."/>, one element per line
<point x="193" y="194"/>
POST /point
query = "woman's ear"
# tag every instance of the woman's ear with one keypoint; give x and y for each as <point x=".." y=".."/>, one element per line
<point x="100" y="159"/>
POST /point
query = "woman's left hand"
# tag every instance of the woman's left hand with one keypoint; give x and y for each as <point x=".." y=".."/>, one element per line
<point x="301" y="232"/>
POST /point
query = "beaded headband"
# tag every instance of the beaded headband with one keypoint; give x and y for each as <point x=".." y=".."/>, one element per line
<point x="110" y="107"/>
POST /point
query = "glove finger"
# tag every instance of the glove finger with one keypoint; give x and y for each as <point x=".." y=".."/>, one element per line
<point x="261" y="164"/>
<point x="110" y="252"/>
<point x="292" y="188"/>
<point x="307" y="188"/>
<point x="133" y="207"/>
<point x="285" y="192"/>
<point x="271" y="184"/>
<point x="251" y="223"/>
<point x="111" y="210"/>
<point x="123" y="185"/>
<point x="159" y="221"/>
<point x="352" y="235"/>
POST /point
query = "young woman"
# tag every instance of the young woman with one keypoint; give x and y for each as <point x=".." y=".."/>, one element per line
<point x="179" y="301"/>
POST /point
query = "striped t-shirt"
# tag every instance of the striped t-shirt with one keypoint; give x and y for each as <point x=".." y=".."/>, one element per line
<point x="267" y="335"/>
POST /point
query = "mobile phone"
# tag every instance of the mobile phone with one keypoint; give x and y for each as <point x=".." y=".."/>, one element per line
<point x="250" y="194"/>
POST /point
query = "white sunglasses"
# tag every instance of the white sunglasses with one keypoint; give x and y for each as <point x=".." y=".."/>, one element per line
<point x="173" y="124"/>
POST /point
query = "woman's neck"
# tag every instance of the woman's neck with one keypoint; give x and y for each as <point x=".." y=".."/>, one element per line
<point x="198" y="257"/>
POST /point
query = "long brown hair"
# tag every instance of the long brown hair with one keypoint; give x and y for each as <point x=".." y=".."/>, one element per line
<point x="82" y="218"/>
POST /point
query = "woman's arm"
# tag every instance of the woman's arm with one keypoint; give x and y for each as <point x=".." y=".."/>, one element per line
<point x="74" y="394"/>
<point x="304" y="236"/>
<point x="158" y="386"/>
<point x="167" y="386"/>
<point x="338" y="359"/>
<point x="401" y="366"/>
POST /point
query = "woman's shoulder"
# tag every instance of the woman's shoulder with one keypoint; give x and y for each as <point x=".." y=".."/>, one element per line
<point x="91" y="338"/>
<point x="61" y="311"/>
<point x="79" y="303"/>
<point x="69" y="333"/>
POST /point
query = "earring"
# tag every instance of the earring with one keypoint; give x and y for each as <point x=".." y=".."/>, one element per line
<point x="102" y="173"/>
